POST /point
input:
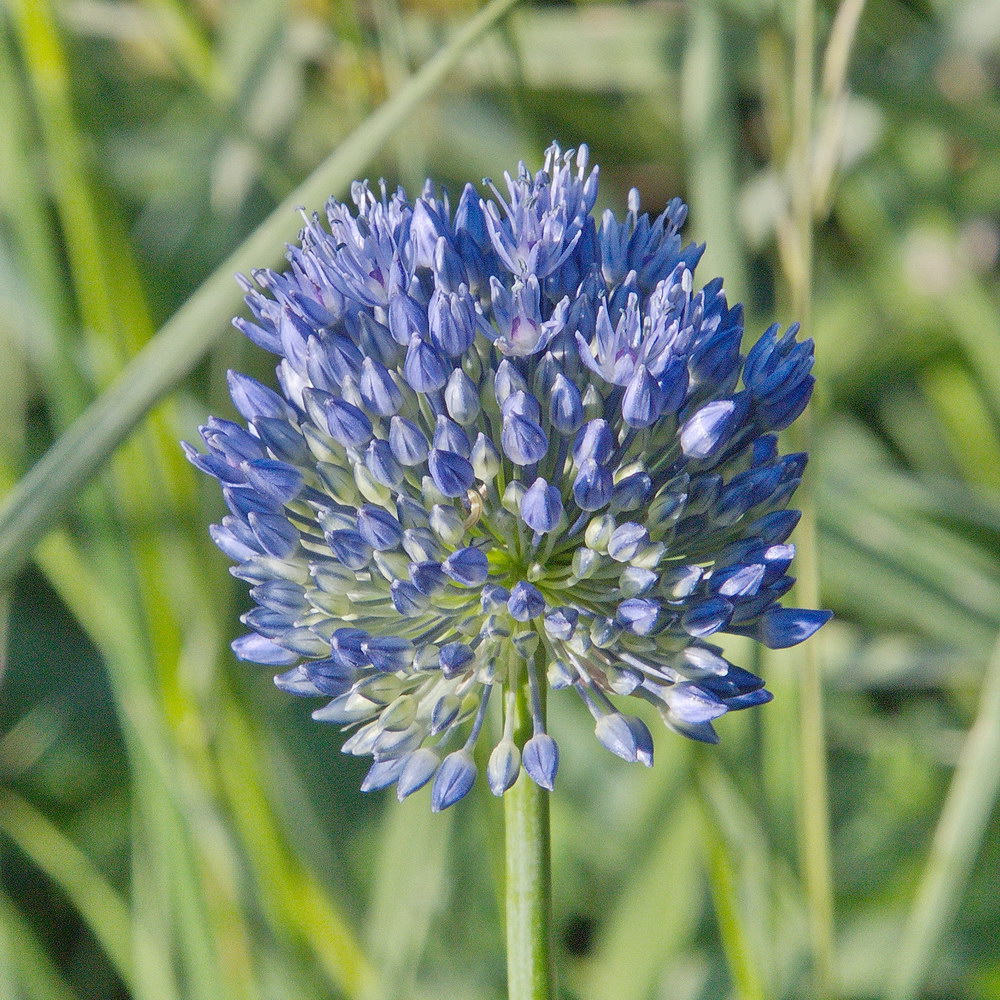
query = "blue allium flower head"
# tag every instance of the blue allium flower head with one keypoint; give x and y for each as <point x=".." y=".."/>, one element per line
<point x="512" y="442"/>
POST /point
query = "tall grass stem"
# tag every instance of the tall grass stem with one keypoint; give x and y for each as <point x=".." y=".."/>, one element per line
<point x="814" y="796"/>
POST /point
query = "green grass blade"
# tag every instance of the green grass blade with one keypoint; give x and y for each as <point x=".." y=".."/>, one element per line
<point x="293" y="897"/>
<point x="50" y="487"/>
<point x="26" y="970"/>
<point x="650" y="927"/>
<point x="412" y="866"/>
<point x="710" y="143"/>
<point x="97" y="902"/>
<point x="957" y="840"/>
<point x="734" y="848"/>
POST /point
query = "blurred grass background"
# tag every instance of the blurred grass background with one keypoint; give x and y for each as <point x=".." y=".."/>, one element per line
<point x="173" y="828"/>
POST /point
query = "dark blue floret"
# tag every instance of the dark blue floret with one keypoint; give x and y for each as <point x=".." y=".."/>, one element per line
<point x="524" y="441"/>
<point x="526" y="601"/>
<point x="541" y="506"/>
<point x="347" y="424"/>
<point x="565" y="405"/>
<point x="593" y="486"/>
<point x="407" y="441"/>
<point x="468" y="566"/>
<point x="424" y="368"/>
<point x="540" y="757"/>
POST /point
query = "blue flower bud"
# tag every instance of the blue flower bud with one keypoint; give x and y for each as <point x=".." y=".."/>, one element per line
<point x="632" y="492"/>
<point x="453" y="475"/>
<point x="347" y="424"/>
<point x="296" y="681"/>
<point x="707" y="617"/>
<point x="448" y="436"/>
<point x="462" y="398"/>
<point x="378" y="390"/>
<point x="779" y="628"/>
<point x="692" y="704"/>
<point x="214" y="465"/>
<point x="255" y="400"/>
<point x="231" y="543"/>
<point x="639" y="615"/>
<point x="775" y="527"/>
<point x="407" y="442"/>
<point x="279" y="482"/>
<point x="524" y="442"/>
<point x="330" y="677"/>
<point x="282" y="439"/>
<point x="444" y="713"/>
<point x="452" y="322"/>
<point x="523" y="404"/>
<point x="427" y="577"/>
<point x="350" y="548"/>
<point x="738" y="581"/>
<point x="448" y="269"/>
<point x="379" y="528"/>
<point x="382" y="464"/>
<point x="274" y="534"/>
<point x="526" y="601"/>
<point x="419" y="767"/>
<point x="494" y="597"/>
<point x="485" y="459"/>
<point x="347" y="644"/>
<point x="627" y="540"/>
<point x="707" y="430"/>
<point x="777" y="414"/>
<point x="382" y="773"/>
<point x="257" y="649"/>
<point x="541" y="506"/>
<point x="453" y="781"/>
<point x="594" y="442"/>
<point x="643" y="401"/>
<point x="421" y="545"/>
<point x="468" y="566"/>
<point x="560" y="622"/>
<point x="424" y="369"/>
<point x="388" y="652"/>
<point x="504" y="767"/>
<point x="426" y="227"/>
<point x="456" y="657"/>
<point x="593" y="486"/>
<point x="565" y="406"/>
<point x="540" y="757"/>
<point x="406" y="320"/>
<point x="507" y="380"/>
<point x="626" y="736"/>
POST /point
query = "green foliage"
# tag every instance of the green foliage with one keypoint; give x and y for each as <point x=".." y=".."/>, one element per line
<point x="171" y="828"/>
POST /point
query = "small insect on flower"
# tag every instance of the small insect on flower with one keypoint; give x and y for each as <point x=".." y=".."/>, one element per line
<point x="513" y="444"/>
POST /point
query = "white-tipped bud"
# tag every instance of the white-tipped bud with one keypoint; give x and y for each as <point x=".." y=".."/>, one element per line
<point x="485" y="459"/>
<point x="504" y="766"/>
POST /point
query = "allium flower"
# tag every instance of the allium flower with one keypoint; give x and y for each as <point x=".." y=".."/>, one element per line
<point x="511" y="442"/>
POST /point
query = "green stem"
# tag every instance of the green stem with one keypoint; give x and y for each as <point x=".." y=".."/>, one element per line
<point x="720" y="865"/>
<point x="530" y="974"/>
<point x="815" y="818"/>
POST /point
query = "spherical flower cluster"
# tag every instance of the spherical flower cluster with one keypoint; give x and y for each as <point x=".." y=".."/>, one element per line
<point x="513" y="446"/>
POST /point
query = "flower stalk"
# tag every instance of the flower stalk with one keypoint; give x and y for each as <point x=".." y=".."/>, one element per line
<point x="530" y="974"/>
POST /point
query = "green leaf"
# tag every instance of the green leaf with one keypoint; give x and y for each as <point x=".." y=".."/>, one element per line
<point x="957" y="840"/>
